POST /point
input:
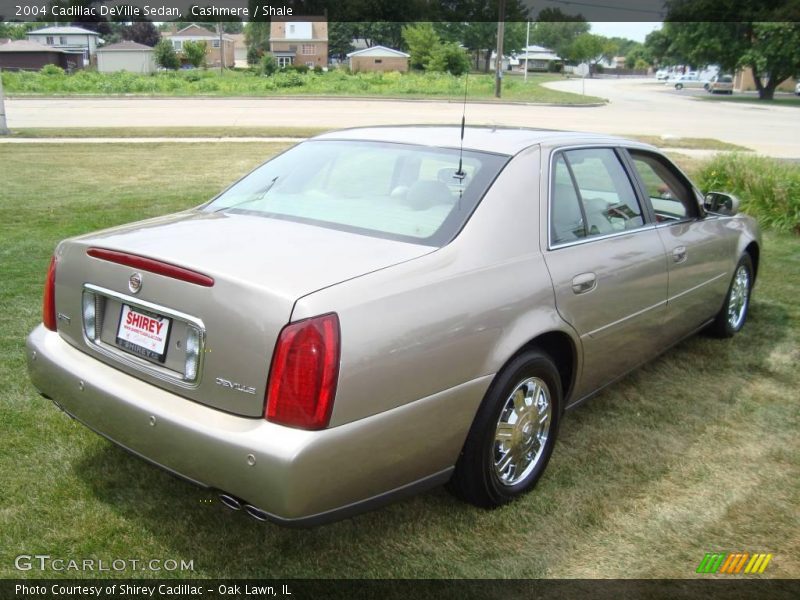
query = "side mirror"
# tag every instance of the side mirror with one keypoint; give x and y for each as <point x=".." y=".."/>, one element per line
<point x="721" y="203"/>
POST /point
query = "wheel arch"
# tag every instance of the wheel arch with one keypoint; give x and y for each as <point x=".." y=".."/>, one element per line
<point x="754" y="251"/>
<point x="563" y="350"/>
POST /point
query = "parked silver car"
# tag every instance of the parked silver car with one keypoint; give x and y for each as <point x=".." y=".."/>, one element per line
<point x="377" y="311"/>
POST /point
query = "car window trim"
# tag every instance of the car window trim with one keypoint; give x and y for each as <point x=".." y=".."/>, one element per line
<point x="648" y="225"/>
<point x="680" y="175"/>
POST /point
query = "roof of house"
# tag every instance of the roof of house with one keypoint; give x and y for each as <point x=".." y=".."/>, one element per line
<point x="63" y="31"/>
<point x="28" y="46"/>
<point x="126" y="46"/>
<point x="379" y="51"/>
<point x="196" y="32"/>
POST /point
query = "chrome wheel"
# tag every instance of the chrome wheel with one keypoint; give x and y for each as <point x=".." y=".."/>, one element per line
<point x="521" y="432"/>
<point x="739" y="296"/>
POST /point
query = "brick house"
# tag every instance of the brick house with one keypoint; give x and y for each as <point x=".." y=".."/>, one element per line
<point x="214" y="48"/>
<point x="69" y="39"/>
<point x="299" y="42"/>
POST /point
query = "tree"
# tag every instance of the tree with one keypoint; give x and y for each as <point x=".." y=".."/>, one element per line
<point x="142" y="32"/>
<point x="557" y="31"/>
<point x="588" y="48"/>
<point x="421" y="40"/>
<point x="449" y="57"/>
<point x="256" y="36"/>
<point x="195" y="52"/>
<point x="340" y="39"/>
<point x="744" y="34"/>
<point x="16" y="31"/>
<point x="165" y="55"/>
<point x="657" y="44"/>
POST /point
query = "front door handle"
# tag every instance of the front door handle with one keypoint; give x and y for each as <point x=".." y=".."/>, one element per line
<point x="585" y="282"/>
<point x="679" y="254"/>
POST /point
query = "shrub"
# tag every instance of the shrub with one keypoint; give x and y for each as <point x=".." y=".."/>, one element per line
<point x="51" y="70"/>
<point x="449" y="58"/>
<point x="769" y="189"/>
<point x="317" y="69"/>
<point x="195" y="53"/>
<point x="297" y="68"/>
<point x="269" y="66"/>
<point x="165" y="55"/>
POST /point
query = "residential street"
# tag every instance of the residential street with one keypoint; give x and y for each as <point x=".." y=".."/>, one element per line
<point x="637" y="106"/>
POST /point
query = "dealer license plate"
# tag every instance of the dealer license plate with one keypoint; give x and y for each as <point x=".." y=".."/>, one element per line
<point x="143" y="333"/>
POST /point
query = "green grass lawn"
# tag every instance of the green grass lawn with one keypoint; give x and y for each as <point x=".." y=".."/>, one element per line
<point x="440" y="86"/>
<point x="752" y="99"/>
<point x="697" y="451"/>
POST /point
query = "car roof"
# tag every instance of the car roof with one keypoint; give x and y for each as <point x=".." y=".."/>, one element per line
<point x="498" y="140"/>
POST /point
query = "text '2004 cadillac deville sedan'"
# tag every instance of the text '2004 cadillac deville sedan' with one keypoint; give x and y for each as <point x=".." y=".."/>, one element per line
<point x="380" y="310"/>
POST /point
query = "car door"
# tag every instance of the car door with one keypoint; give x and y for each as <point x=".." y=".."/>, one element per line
<point x="699" y="247"/>
<point x="606" y="261"/>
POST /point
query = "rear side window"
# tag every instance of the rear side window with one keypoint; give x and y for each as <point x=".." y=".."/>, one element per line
<point x="395" y="191"/>
<point x="591" y="196"/>
<point x="670" y="197"/>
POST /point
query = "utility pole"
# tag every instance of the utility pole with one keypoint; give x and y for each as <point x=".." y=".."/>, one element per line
<point x="221" y="49"/>
<point x="498" y="63"/>
<point x="3" y="126"/>
<point x="527" y="45"/>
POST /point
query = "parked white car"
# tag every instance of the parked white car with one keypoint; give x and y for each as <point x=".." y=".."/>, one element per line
<point x="688" y="80"/>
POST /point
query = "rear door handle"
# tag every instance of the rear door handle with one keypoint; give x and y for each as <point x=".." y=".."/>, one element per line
<point x="585" y="282"/>
<point x="679" y="254"/>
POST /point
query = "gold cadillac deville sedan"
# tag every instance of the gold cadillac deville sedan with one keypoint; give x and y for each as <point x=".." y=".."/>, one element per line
<point x="381" y="310"/>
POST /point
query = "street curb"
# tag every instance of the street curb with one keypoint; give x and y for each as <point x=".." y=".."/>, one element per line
<point x="307" y="98"/>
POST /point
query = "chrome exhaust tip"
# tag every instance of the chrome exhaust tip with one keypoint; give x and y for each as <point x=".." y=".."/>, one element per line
<point x="256" y="513"/>
<point x="230" y="501"/>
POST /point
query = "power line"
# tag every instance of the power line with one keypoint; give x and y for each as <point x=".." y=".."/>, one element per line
<point x="607" y="6"/>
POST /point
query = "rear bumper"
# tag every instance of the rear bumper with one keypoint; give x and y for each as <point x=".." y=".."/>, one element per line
<point x="296" y="477"/>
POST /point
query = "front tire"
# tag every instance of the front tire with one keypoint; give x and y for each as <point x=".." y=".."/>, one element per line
<point x="512" y="437"/>
<point x="731" y="317"/>
<point x="678" y="86"/>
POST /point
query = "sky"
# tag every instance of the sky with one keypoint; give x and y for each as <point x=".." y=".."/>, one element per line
<point x="632" y="30"/>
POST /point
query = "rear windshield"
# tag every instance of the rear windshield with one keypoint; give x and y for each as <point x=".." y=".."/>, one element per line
<point x="396" y="191"/>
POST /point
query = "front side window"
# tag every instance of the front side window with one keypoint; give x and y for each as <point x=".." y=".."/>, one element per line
<point x="591" y="196"/>
<point x="395" y="191"/>
<point x="670" y="197"/>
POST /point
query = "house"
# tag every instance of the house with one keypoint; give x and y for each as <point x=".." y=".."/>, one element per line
<point x="299" y="42"/>
<point x="216" y="49"/>
<point x="743" y="81"/>
<point x="24" y="55"/>
<point x="378" y="58"/>
<point x="70" y="39"/>
<point x="239" y="50"/>
<point x="126" y="56"/>
<point x="539" y="58"/>
<point x="508" y="63"/>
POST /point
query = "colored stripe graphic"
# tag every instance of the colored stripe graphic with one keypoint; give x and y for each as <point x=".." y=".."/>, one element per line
<point x="711" y="562"/>
<point x="732" y="563"/>
<point x="758" y="563"/>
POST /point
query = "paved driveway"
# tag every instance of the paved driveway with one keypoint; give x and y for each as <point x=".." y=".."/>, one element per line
<point x="636" y="107"/>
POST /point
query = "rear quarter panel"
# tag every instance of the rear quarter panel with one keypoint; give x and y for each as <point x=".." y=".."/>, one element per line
<point x="450" y="317"/>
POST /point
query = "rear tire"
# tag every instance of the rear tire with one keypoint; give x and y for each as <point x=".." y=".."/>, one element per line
<point x="731" y="317"/>
<point x="512" y="437"/>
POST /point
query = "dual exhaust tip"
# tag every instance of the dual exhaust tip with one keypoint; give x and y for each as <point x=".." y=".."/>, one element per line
<point x="235" y="503"/>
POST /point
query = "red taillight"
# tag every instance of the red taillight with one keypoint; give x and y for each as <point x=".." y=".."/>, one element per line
<point x="154" y="266"/>
<point x="49" y="301"/>
<point x="305" y="367"/>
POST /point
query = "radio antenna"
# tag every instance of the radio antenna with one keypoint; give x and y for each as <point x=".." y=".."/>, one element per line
<point x="460" y="174"/>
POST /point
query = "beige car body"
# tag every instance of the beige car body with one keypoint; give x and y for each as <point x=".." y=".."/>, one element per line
<point x="423" y="330"/>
